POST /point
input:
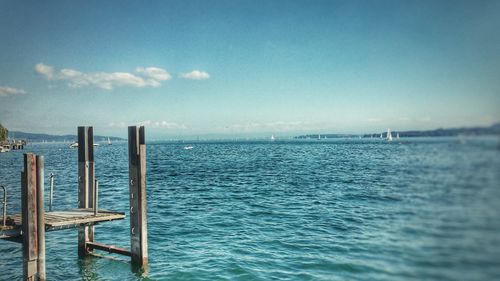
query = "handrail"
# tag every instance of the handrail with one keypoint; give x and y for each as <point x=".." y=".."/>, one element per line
<point x="51" y="190"/>
<point x="96" y="197"/>
<point x="4" y="218"/>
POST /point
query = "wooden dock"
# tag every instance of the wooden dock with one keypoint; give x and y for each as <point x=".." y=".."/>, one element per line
<point x="30" y="225"/>
<point x="59" y="220"/>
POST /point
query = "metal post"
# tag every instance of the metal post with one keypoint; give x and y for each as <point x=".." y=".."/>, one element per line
<point x="137" y="187"/>
<point x="96" y="197"/>
<point x="85" y="184"/>
<point x="51" y="190"/>
<point x="40" y="217"/>
<point x="4" y="217"/>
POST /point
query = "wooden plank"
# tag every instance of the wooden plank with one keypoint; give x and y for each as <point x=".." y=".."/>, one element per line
<point x="84" y="220"/>
<point x="62" y="220"/>
<point x="137" y="189"/>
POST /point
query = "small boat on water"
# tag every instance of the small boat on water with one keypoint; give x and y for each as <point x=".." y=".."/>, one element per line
<point x="109" y="141"/>
<point x="75" y="145"/>
<point x="188" y="147"/>
<point x="389" y="135"/>
<point x="272" y="138"/>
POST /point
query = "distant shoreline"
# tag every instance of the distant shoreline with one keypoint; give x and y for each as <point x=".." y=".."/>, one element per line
<point x="491" y="130"/>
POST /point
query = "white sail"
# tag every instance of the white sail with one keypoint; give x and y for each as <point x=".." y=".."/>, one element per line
<point x="397" y="136"/>
<point x="109" y="141"/>
<point x="389" y="135"/>
<point x="272" y="137"/>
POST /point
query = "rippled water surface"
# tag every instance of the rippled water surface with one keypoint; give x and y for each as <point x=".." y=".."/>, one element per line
<point x="425" y="209"/>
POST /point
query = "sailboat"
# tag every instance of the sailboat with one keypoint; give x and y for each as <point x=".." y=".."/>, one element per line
<point x="272" y="138"/>
<point x="109" y="141"/>
<point x="389" y="135"/>
<point x="397" y="136"/>
<point x="381" y="137"/>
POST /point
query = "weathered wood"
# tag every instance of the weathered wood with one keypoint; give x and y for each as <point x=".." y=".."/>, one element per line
<point x="40" y="217"/>
<point x="109" y="249"/>
<point x="62" y="220"/>
<point x="29" y="217"/>
<point x="137" y="184"/>
<point x="85" y="183"/>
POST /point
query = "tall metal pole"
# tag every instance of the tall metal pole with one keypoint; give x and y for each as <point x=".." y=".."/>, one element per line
<point x="137" y="187"/>
<point x="85" y="184"/>
<point x="51" y="190"/>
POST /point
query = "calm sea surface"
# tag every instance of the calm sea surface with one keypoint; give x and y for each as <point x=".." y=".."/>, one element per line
<point x="425" y="209"/>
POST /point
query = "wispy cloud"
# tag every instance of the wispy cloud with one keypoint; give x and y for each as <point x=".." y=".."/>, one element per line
<point x="154" y="72"/>
<point x="145" y="77"/>
<point x="151" y="124"/>
<point x="195" y="75"/>
<point x="9" y="91"/>
<point x="277" y="126"/>
<point x="374" y="120"/>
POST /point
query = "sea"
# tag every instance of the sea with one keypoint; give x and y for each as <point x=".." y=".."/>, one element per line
<point x="335" y="209"/>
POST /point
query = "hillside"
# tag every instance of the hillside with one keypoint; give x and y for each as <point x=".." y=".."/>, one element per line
<point x="32" y="137"/>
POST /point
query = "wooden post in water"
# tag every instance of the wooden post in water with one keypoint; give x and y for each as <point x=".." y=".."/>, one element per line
<point x="137" y="188"/>
<point x="29" y="219"/>
<point x="85" y="184"/>
<point x="40" y="176"/>
<point x="33" y="225"/>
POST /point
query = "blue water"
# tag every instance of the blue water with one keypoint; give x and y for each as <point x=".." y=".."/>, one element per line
<point x="426" y="209"/>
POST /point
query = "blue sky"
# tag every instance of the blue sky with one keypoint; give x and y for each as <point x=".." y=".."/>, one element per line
<point x="225" y="68"/>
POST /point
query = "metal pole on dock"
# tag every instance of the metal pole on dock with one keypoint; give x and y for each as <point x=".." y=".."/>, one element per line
<point x="4" y="203"/>
<point x="85" y="184"/>
<point x="96" y="197"/>
<point x="137" y="188"/>
<point x="51" y="191"/>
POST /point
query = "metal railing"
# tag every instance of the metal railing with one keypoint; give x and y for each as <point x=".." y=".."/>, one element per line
<point x="4" y="217"/>
<point x="51" y="192"/>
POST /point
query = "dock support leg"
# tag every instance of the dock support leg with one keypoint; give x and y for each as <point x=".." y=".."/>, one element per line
<point x="137" y="184"/>
<point x="40" y="176"/>
<point x="85" y="184"/>
<point x="33" y="225"/>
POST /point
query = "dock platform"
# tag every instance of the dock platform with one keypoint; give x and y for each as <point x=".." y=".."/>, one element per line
<point x="30" y="225"/>
<point x="58" y="220"/>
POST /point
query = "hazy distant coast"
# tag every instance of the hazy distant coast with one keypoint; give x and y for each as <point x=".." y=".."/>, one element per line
<point x="33" y="137"/>
<point x="491" y="130"/>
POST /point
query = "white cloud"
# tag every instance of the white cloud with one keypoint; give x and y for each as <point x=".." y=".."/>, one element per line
<point x="45" y="70"/>
<point x="150" y="124"/>
<point x="154" y="72"/>
<point x="161" y="124"/>
<point x="9" y="91"/>
<point x="195" y="75"/>
<point x="278" y="126"/>
<point x="147" y="77"/>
